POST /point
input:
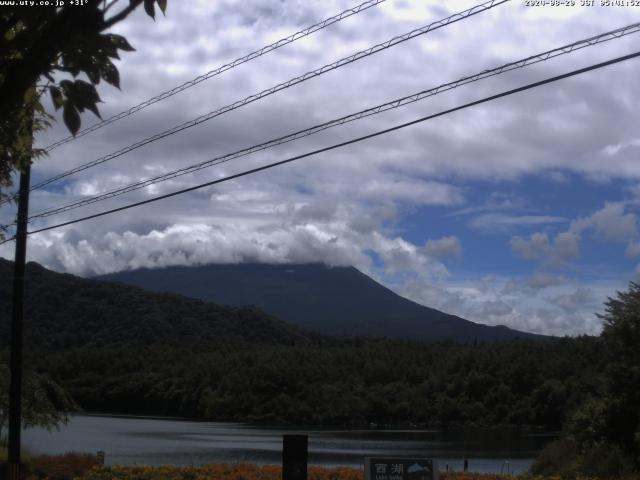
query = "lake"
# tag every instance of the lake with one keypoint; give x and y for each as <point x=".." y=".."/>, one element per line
<point x="152" y="441"/>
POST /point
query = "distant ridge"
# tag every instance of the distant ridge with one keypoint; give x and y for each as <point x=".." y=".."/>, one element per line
<point x="63" y="311"/>
<point x="329" y="300"/>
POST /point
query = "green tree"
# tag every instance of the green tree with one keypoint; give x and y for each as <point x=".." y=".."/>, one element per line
<point x="602" y="436"/>
<point x="46" y="50"/>
<point x="621" y="336"/>
<point x="45" y="403"/>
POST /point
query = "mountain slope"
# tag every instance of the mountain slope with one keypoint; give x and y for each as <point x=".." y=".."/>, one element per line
<point x="338" y="300"/>
<point x="64" y="311"/>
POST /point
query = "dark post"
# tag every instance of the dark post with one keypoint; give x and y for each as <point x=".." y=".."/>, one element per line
<point x="294" y="457"/>
<point x="15" y="389"/>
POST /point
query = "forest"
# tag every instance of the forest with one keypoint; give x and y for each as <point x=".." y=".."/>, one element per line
<point x="345" y="382"/>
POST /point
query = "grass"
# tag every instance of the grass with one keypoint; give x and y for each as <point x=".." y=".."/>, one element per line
<point x="25" y="455"/>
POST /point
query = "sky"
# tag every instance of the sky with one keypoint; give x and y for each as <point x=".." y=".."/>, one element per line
<point x="522" y="211"/>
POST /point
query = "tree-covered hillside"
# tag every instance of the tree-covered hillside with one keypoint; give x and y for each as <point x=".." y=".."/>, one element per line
<point x="65" y="311"/>
<point x="343" y="382"/>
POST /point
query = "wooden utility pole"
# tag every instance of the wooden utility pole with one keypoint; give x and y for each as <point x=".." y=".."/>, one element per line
<point x="15" y="390"/>
<point x="294" y="457"/>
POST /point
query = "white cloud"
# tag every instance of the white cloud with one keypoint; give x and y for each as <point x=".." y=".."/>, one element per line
<point x="535" y="247"/>
<point x="288" y="233"/>
<point x="610" y="223"/>
<point x="563" y="248"/>
<point x="532" y="284"/>
<point x="409" y="190"/>
<point x="496" y="308"/>
<point x="612" y="150"/>
<point x="401" y="257"/>
<point x="196" y="245"/>
<point x="566" y="308"/>
<point x="571" y="302"/>
<point x="492" y="222"/>
<point x="633" y="249"/>
<point x="445" y="247"/>
<point x="497" y="201"/>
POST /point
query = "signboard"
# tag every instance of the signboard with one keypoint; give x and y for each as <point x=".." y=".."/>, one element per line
<point x="399" y="468"/>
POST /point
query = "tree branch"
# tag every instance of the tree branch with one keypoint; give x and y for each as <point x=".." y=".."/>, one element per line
<point x="124" y="13"/>
<point x="109" y="5"/>
<point x="43" y="51"/>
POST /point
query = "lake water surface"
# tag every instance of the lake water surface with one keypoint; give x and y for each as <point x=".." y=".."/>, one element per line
<point x="137" y="441"/>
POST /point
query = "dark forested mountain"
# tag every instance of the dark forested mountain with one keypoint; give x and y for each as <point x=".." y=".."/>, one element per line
<point x="330" y="300"/>
<point x="63" y="311"/>
<point x="120" y="349"/>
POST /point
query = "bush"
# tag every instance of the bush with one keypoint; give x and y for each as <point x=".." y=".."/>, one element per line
<point x="559" y="457"/>
<point x="605" y="461"/>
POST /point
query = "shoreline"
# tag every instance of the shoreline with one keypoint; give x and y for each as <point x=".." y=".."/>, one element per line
<point x="530" y="429"/>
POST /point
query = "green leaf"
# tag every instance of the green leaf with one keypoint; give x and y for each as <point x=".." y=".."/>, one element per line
<point x="121" y="43"/>
<point x="71" y="118"/>
<point x="37" y="107"/>
<point x="56" y="97"/>
<point x="30" y="95"/>
<point x="110" y="74"/>
<point x="11" y="34"/>
<point x="105" y="46"/>
<point x="86" y="92"/>
<point x="67" y="87"/>
<point x="94" y="109"/>
<point x="112" y="52"/>
<point x="149" y="8"/>
<point x="93" y="73"/>
<point x="163" y="5"/>
<point x="86" y="96"/>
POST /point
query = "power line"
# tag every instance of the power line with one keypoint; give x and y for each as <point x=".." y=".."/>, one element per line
<point x="349" y="142"/>
<point x="252" y="98"/>
<point x="217" y="71"/>
<point x="613" y="34"/>
<point x="8" y="240"/>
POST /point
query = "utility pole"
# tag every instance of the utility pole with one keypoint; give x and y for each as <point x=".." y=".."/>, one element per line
<point x="15" y="389"/>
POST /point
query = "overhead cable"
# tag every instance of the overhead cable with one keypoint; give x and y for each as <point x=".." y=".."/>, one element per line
<point x="617" y="33"/>
<point x="252" y="98"/>
<point x="217" y="71"/>
<point x="7" y="240"/>
<point x="343" y="144"/>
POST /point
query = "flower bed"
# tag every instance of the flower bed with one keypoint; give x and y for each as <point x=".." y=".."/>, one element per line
<point x="84" y="467"/>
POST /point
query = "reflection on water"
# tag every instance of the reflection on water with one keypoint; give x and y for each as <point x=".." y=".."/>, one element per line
<point x="131" y="441"/>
